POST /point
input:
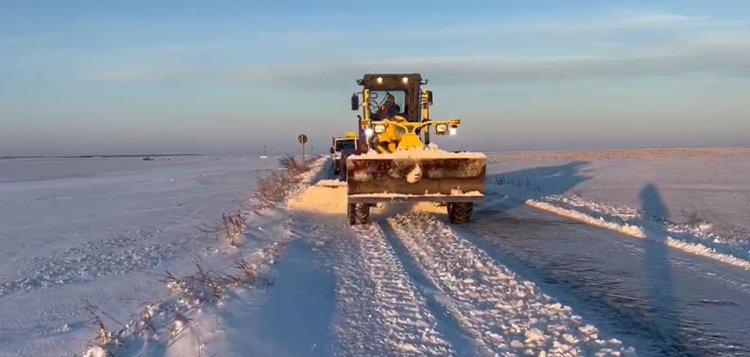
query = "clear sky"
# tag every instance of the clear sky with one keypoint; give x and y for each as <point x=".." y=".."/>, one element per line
<point x="79" y="77"/>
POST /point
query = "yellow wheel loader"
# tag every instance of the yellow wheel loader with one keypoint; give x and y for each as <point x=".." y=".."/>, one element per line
<point x="395" y="160"/>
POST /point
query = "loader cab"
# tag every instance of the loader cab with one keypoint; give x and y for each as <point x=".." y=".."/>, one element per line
<point x="412" y="102"/>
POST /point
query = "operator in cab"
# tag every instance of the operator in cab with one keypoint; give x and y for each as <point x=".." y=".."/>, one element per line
<point x="389" y="109"/>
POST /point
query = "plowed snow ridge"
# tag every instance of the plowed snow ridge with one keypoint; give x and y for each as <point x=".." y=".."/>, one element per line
<point x="383" y="313"/>
<point x="639" y="232"/>
<point x="505" y="315"/>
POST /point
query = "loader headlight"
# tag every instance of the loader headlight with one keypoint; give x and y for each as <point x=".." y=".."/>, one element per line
<point x="379" y="128"/>
<point x="368" y="132"/>
<point x="405" y="80"/>
<point x="379" y="80"/>
<point x="453" y="131"/>
<point x="441" y="128"/>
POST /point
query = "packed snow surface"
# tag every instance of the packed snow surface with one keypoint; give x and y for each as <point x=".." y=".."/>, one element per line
<point x="502" y="313"/>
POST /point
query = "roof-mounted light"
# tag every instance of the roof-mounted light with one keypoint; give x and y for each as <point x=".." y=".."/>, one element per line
<point x="405" y="80"/>
<point x="379" y="80"/>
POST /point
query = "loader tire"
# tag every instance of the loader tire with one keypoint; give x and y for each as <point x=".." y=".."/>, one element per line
<point x="358" y="213"/>
<point x="460" y="212"/>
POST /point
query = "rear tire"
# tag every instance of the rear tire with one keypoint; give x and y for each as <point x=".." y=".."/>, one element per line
<point x="460" y="212"/>
<point x="358" y="213"/>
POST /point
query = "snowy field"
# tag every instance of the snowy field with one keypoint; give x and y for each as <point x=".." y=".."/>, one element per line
<point x="699" y="197"/>
<point x="99" y="232"/>
<point x="617" y="253"/>
<point x="691" y="184"/>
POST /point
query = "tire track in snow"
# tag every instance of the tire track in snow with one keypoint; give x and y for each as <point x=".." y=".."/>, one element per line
<point x="668" y="304"/>
<point x="504" y="315"/>
<point x="383" y="313"/>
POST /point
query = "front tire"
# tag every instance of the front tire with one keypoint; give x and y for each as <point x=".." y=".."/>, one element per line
<point x="358" y="213"/>
<point x="460" y="212"/>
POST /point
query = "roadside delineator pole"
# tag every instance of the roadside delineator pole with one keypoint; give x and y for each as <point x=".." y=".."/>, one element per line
<point x="302" y="138"/>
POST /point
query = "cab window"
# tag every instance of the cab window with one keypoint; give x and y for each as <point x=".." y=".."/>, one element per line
<point x="378" y="103"/>
<point x="344" y="145"/>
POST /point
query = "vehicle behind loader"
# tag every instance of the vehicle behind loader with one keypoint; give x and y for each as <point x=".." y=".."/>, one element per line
<point x="395" y="160"/>
<point x="341" y="148"/>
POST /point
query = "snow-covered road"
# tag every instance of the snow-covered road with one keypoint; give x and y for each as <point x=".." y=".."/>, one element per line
<point x="381" y="310"/>
<point x="502" y="312"/>
<point x="518" y="280"/>
<point x="674" y="302"/>
<point x="410" y="285"/>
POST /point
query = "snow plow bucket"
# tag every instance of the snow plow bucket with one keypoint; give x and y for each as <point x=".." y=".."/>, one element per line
<point x="416" y="176"/>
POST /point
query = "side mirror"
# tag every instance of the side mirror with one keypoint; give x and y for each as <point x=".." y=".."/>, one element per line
<point x="332" y="151"/>
<point x="355" y="102"/>
<point x="429" y="97"/>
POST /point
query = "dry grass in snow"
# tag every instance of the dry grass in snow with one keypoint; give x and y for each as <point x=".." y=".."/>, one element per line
<point x="274" y="188"/>
<point x="162" y="322"/>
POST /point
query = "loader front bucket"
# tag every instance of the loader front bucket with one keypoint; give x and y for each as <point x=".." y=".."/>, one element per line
<point x="416" y="176"/>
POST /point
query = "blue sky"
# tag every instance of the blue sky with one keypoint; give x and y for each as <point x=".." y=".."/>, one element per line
<point x="80" y="77"/>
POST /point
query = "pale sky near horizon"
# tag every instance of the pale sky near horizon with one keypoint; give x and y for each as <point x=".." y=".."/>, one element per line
<point x="95" y="77"/>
